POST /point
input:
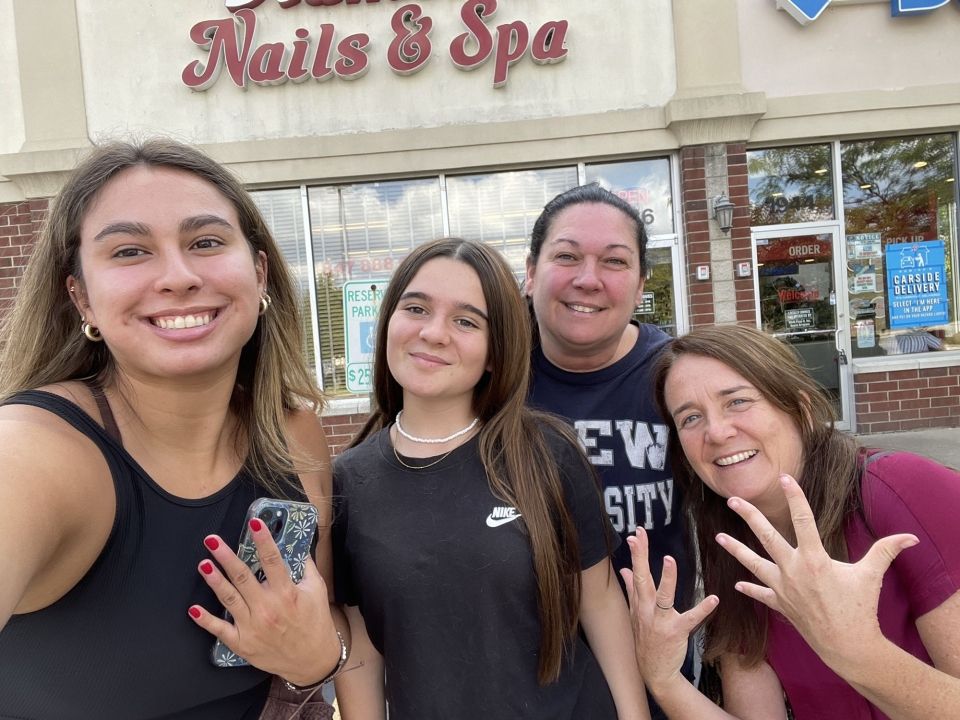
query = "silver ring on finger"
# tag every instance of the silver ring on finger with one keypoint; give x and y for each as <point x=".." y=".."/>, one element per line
<point x="662" y="607"/>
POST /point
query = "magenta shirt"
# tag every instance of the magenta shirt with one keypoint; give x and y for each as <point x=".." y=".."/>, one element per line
<point x="902" y="493"/>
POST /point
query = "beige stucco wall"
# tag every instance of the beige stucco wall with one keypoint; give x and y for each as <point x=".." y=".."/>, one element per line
<point x="11" y="113"/>
<point x="143" y="47"/>
<point x="606" y="98"/>
<point x="856" y="70"/>
<point x="849" y="48"/>
<point x="641" y="76"/>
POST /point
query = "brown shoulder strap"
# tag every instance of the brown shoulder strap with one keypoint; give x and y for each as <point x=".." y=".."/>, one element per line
<point x="106" y="414"/>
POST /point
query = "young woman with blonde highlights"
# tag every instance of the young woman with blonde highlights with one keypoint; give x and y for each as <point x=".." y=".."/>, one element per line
<point x="151" y="387"/>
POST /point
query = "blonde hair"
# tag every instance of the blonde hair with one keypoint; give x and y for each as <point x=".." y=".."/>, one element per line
<point x="40" y="338"/>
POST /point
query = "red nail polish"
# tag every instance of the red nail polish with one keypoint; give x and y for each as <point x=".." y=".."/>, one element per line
<point x="212" y="543"/>
<point x="194" y="612"/>
<point x="206" y="567"/>
<point x="256" y="525"/>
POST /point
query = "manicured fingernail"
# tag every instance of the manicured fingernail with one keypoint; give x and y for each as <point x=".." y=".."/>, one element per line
<point x="212" y="543"/>
<point x="722" y="539"/>
<point x="784" y="480"/>
<point x="206" y="567"/>
<point x="256" y="525"/>
<point x="733" y="503"/>
<point x="194" y="612"/>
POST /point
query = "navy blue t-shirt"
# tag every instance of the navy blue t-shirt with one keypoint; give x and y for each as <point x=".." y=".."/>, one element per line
<point x="616" y="417"/>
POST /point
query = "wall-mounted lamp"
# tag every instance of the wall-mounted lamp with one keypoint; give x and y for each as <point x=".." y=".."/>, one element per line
<point x="723" y="212"/>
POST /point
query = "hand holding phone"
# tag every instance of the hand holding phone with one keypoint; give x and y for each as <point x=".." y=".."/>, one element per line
<point x="292" y="526"/>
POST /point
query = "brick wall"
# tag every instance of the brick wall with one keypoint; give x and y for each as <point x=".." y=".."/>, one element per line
<point x="693" y="188"/>
<point x="19" y="223"/>
<point x="340" y="430"/>
<point x="908" y="399"/>
<point x="731" y="177"/>
<point x="741" y="250"/>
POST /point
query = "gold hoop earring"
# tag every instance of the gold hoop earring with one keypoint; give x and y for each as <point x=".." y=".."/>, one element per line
<point x="265" y="302"/>
<point x="92" y="334"/>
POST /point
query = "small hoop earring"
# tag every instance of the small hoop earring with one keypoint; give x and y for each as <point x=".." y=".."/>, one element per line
<point x="92" y="334"/>
<point x="265" y="302"/>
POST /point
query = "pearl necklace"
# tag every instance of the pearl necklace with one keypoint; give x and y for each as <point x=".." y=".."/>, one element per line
<point x="434" y="441"/>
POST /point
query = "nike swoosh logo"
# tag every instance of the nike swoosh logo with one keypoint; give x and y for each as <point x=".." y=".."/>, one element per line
<point x="497" y="522"/>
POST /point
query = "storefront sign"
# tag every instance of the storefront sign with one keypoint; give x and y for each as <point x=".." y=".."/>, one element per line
<point x="864" y="281"/>
<point x="866" y="333"/>
<point x="916" y="284"/>
<point x="646" y="306"/>
<point x="806" y="11"/>
<point x="361" y="306"/>
<point x="640" y="199"/>
<point x="791" y="295"/>
<point x="862" y="246"/>
<point x="231" y="44"/>
<point x="794" y="249"/>
<point x="799" y="318"/>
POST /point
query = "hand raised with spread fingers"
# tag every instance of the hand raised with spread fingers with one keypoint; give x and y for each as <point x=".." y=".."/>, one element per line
<point x="278" y="626"/>
<point x="832" y="604"/>
<point x="660" y="632"/>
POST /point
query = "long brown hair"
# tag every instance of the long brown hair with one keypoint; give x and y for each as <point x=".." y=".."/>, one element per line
<point x="40" y="340"/>
<point x="520" y="467"/>
<point x="829" y="476"/>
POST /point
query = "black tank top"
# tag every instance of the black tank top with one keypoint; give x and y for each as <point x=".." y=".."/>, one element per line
<point x="119" y="644"/>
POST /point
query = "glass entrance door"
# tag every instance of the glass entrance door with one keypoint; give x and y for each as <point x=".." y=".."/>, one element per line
<point x="662" y="289"/>
<point x="796" y="287"/>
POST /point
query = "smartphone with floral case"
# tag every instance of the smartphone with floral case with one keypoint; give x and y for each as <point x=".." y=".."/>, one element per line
<point x="293" y="526"/>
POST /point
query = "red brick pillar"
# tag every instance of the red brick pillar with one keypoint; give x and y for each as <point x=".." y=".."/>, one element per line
<point x="741" y="250"/>
<point x="696" y="228"/>
<point x="19" y="224"/>
<point x="706" y="172"/>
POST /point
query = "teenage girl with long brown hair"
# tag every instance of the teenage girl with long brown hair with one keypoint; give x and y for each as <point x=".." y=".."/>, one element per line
<point x="471" y="547"/>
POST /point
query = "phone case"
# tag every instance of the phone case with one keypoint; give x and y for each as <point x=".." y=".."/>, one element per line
<point x="293" y="526"/>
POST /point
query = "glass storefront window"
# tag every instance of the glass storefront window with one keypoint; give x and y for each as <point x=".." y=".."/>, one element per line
<point x="657" y="306"/>
<point x="500" y="208"/>
<point x="283" y="213"/>
<point x="645" y="184"/>
<point x="900" y="205"/>
<point x="790" y="184"/>
<point x="361" y="232"/>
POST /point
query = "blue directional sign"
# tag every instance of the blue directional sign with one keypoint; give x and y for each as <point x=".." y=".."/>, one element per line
<point x="912" y="7"/>
<point x="806" y="11"/>
<point x="803" y="11"/>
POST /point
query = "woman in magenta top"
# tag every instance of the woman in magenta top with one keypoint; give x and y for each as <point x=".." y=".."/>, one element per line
<point x="832" y="572"/>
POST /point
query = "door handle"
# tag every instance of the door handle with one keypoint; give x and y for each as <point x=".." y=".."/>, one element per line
<point x="841" y="353"/>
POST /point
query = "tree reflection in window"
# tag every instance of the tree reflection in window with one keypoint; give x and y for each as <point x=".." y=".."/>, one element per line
<point x="790" y="184"/>
<point x="899" y="190"/>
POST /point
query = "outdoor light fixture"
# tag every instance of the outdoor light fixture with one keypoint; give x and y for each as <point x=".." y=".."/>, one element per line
<point x="723" y="212"/>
